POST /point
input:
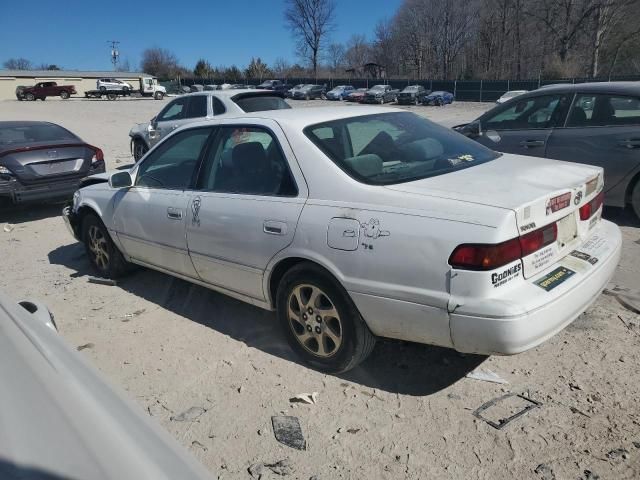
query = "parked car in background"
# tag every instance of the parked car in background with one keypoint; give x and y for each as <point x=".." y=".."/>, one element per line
<point x="593" y="123"/>
<point x="510" y="94"/>
<point x="358" y="223"/>
<point x="309" y="92"/>
<point x="356" y="96"/>
<point x="105" y="84"/>
<point x="380" y="94"/>
<point x="340" y="92"/>
<point x="200" y="106"/>
<point x="295" y="88"/>
<point x="411" y="95"/>
<point x="438" y="98"/>
<point x="60" y="418"/>
<point x="43" y="161"/>
<point x="276" y="85"/>
<point x="42" y="90"/>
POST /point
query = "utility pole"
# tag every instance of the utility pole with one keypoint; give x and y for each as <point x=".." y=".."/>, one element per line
<point x="115" y="54"/>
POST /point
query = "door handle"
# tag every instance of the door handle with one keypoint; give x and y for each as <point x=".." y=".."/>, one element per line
<point x="532" y="143"/>
<point x="630" y="143"/>
<point x="272" y="227"/>
<point x="174" y="213"/>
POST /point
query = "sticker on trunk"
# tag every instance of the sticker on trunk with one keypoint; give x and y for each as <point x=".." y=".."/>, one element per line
<point x="558" y="203"/>
<point x="591" y="186"/>
<point x="505" y="276"/>
<point x="584" y="256"/>
<point x="553" y="279"/>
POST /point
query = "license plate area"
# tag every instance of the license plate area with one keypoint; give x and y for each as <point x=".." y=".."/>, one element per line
<point x="548" y="256"/>
<point x="567" y="231"/>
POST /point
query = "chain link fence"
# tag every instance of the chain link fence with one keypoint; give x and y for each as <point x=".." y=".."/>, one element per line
<point x="463" y="90"/>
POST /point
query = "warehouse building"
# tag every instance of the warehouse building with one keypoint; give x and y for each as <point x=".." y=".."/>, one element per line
<point x="10" y="79"/>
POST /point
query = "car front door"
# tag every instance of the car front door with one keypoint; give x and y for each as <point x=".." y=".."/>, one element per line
<point x="171" y="117"/>
<point x="602" y="130"/>
<point x="246" y="206"/>
<point x="150" y="216"/>
<point x="523" y="127"/>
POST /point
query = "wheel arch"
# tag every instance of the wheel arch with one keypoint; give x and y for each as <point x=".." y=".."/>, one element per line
<point x="282" y="265"/>
<point x="630" y="187"/>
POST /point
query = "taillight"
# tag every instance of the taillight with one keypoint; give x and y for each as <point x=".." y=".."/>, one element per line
<point x="98" y="155"/>
<point x="588" y="209"/>
<point x="490" y="257"/>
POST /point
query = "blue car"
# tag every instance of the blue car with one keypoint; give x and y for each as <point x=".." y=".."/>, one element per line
<point x="340" y="92"/>
<point x="438" y="98"/>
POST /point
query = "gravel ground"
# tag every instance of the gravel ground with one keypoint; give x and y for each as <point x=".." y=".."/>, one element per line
<point x="405" y="413"/>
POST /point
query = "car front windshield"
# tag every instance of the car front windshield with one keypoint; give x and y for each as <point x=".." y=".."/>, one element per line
<point x="391" y="148"/>
<point x="377" y="87"/>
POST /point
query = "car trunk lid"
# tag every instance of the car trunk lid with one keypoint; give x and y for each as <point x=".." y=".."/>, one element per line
<point x="43" y="163"/>
<point x="539" y="191"/>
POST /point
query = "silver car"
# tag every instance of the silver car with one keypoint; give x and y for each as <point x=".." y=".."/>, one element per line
<point x="201" y="106"/>
<point x="60" y="419"/>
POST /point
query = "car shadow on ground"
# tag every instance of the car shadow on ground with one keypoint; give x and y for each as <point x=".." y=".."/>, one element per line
<point x="28" y="212"/>
<point x="394" y="366"/>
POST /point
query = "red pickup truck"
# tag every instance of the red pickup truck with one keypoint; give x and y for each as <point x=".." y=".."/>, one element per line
<point x="43" y="90"/>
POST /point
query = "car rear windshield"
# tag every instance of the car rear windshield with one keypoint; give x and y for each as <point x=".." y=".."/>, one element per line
<point x="391" y="148"/>
<point x="410" y="89"/>
<point x="26" y="134"/>
<point x="261" y="103"/>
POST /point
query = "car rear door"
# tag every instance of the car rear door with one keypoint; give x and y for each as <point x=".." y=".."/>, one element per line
<point x="246" y="206"/>
<point x="524" y="126"/>
<point x="149" y="217"/>
<point x="602" y="130"/>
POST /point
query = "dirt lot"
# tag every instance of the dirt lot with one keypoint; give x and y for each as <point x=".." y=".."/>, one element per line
<point x="405" y="413"/>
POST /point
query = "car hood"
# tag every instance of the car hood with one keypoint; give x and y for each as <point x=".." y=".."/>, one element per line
<point x="509" y="181"/>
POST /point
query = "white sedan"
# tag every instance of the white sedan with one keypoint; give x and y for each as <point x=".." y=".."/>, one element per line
<point x="357" y="223"/>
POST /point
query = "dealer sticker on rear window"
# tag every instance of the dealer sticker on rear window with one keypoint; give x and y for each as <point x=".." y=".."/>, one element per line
<point x="558" y="203"/>
<point x="555" y="278"/>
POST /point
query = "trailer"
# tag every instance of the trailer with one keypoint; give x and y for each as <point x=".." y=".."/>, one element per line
<point x="149" y="87"/>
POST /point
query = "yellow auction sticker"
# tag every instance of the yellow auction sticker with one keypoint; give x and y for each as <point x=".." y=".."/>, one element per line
<point x="555" y="278"/>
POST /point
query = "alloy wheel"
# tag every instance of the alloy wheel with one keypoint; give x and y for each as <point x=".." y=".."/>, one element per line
<point x="314" y="320"/>
<point x="99" y="247"/>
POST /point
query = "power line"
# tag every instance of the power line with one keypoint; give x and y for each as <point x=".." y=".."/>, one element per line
<point x="115" y="54"/>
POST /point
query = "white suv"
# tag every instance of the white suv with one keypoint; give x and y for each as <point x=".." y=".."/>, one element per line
<point x="112" y="84"/>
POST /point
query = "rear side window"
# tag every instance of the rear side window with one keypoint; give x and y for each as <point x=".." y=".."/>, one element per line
<point x="218" y="107"/>
<point x="604" y="110"/>
<point x="261" y="103"/>
<point x="197" y="107"/>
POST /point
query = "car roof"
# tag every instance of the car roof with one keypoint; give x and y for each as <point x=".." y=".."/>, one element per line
<point x="230" y="92"/>
<point x="23" y="123"/>
<point x="299" y="118"/>
<point x="630" y="88"/>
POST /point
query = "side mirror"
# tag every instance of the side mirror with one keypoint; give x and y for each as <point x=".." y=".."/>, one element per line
<point x="152" y="124"/>
<point x="120" y="180"/>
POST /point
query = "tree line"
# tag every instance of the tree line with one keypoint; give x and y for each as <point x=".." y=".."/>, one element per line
<point x="441" y="39"/>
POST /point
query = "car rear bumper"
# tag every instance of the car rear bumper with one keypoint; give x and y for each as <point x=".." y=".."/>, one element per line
<point x="20" y="193"/>
<point x="510" y="334"/>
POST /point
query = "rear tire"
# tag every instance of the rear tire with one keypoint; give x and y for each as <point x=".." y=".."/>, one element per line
<point x="320" y="321"/>
<point x="103" y="89"/>
<point x="158" y="95"/>
<point x="64" y="95"/>
<point x="104" y="256"/>
<point x="635" y="199"/>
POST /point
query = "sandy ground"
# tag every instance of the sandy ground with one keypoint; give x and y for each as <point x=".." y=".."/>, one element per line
<point x="405" y="413"/>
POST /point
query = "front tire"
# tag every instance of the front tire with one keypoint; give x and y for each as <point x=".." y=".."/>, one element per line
<point x="139" y="149"/>
<point x="30" y="97"/>
<point x="320" y="321"/>
<point x="158" y="95"/>
<point x="103" y="255"/>
<point x="635" y="199"/>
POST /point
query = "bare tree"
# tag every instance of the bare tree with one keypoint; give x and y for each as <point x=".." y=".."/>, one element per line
<point x="17" y="64"/>
<point x="310" y="22"/>
<point x="335" y="56"/>
<point x="281" y="67"/>
<point x="160" y="62"/>
<point x="358" y="53"/>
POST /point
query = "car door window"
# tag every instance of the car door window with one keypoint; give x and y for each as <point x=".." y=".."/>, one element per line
<point x="604" y="110"/>
<point x="173" y="163"/>
<point x="540" y="112"/>
<point x="174" y="111"/>
<point x="247" y="160"/>
<point x="197" y="107"/>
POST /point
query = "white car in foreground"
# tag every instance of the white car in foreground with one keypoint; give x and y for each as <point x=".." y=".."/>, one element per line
<point x="358" y="223"/>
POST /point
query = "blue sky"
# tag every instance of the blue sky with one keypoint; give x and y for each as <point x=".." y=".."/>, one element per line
<point x="74" y="34"/>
